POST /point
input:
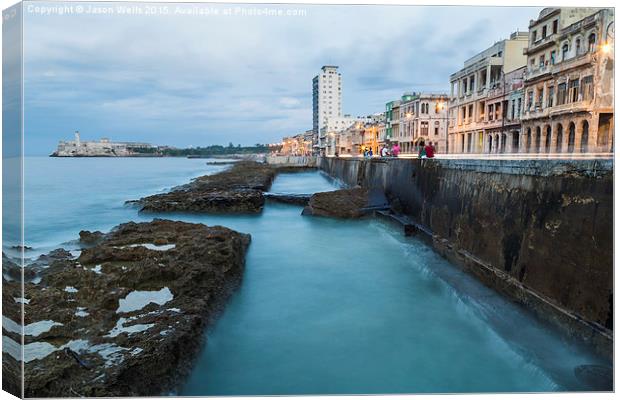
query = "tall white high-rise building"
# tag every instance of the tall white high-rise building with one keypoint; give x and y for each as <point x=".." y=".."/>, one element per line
<point x="326" y="100"/>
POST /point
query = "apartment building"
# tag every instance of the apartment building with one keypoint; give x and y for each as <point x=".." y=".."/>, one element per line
<point x="477" y="91"/>
<point x="569" y="82"/>
<point x="424" y="117"/>
<point x="326" y="102"/>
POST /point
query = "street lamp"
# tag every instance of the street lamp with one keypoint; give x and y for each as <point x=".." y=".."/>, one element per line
<point x="606" y="48"/>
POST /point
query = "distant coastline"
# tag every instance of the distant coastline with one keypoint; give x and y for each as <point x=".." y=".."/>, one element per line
<point x="106" y="148"/>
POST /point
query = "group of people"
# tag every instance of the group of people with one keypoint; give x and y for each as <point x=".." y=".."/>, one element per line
<point x="424" y="150"/>
<point x="392" y="151"/>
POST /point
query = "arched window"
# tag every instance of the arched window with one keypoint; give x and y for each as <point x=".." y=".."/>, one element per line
<point x="571" y="138"/>
<point x="515" y="142"/>
<point x="497" y="143"/>
<point x="584" y="136"/>
<point x="548" y="139"/>
<point x="528" y="142"/>
<point x="591" y="42"/>
<point x="565" y="51"/>
<point x="490" y="144"/>
<point x="559" y="138"/>
<point x="577" y="46"/>
<point x="537" y="140"/>
<point x="503" y="144"/>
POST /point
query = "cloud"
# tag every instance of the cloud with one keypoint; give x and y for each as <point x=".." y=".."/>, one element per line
<point x="181" y="80"/>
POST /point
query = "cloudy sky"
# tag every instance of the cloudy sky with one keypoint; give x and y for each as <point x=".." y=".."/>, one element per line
<point x="169" y="77"/>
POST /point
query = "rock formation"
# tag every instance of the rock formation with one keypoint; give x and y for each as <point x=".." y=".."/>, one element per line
<point x="344" y="203"/>
<point x="125" y="318"/>
<point x="235" y="190"/>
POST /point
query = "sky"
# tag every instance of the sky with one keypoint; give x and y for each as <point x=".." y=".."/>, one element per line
<point x="199" y="74"/>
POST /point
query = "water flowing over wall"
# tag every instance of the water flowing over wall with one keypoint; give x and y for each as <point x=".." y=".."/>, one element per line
<point x="539" y="231"/>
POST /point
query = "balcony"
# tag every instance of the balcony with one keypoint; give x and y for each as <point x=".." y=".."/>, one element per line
<point x="540" y="44"/>
<point x="535" y="112"/>
<point x="540" y="71"/>
<point x="577" y="106"/>
<point x="574" y="62"/>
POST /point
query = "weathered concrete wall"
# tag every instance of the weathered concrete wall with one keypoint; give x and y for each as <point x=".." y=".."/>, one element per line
<point x="538" y="231"/>
<point x="292" y="161"/>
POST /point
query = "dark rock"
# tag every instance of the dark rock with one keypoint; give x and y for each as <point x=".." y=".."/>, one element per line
<point x="344" y="203"/>
<point x="187" y="271"/>
<point x="221" y="162"/>
<point x="236" y="190"/>
<point x="20" y="247"/>
<point x="88" y="237"/>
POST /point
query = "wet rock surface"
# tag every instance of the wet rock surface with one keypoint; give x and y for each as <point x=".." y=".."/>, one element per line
<point x="344" y="203"/>
<point x="235" y="190"/>
<point x="125" y="318"/>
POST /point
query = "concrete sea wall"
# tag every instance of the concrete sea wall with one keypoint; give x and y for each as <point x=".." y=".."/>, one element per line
<point x="538" y="231"/>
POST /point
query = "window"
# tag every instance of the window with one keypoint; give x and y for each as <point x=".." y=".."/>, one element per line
<point x="436" y="131"/>
<point x="573" y="90"/>
<point x="565" y="51"/>
<point x="559" y="139"/>
<point x="530" y="100"/>
<point x="550" y="91"/>
<point x="561" y="94"/>
<point x="512" y="110"/>
<point x="591" y="42"/>
<point x="424" y="128"/>
<point x="577" y="47"/>
<point x="519" y="107"/>
<point x="584" y="136"/>
<point x="544" y="31"/>
<point x="552" y="57"/>
<point x="490" y="112"/>
<point x="541" y="62"/>
<point x="587" y="88"/>
<point x="571" y="137"/>
<point x="555" y="26"/>
<point x="533" y="36"/>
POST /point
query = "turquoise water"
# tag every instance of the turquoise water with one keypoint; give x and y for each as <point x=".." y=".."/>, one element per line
<point x="326" y="306"/>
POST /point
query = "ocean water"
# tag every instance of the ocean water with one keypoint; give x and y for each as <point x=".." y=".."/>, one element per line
<point x="326" y="306"/>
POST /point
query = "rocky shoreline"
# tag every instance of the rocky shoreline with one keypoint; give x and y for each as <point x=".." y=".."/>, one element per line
<point x="126" y="317"/>
<point x="238" y="189"/>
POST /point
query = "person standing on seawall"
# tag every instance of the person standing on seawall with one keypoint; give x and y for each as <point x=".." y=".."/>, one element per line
<point x="430" y="150"/>
<point x="395" y="150"/>
<point x="421" y="150"/>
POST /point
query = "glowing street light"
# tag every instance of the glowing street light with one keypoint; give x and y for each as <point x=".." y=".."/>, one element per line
<point x="606" y="48"/>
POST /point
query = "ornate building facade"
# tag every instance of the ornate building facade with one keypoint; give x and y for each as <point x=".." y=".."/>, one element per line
<point x="569" y="82"/>
<point x="478" y="97"/>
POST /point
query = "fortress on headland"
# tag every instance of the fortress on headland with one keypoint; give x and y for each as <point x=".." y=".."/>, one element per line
<point x="102" y="148"/>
